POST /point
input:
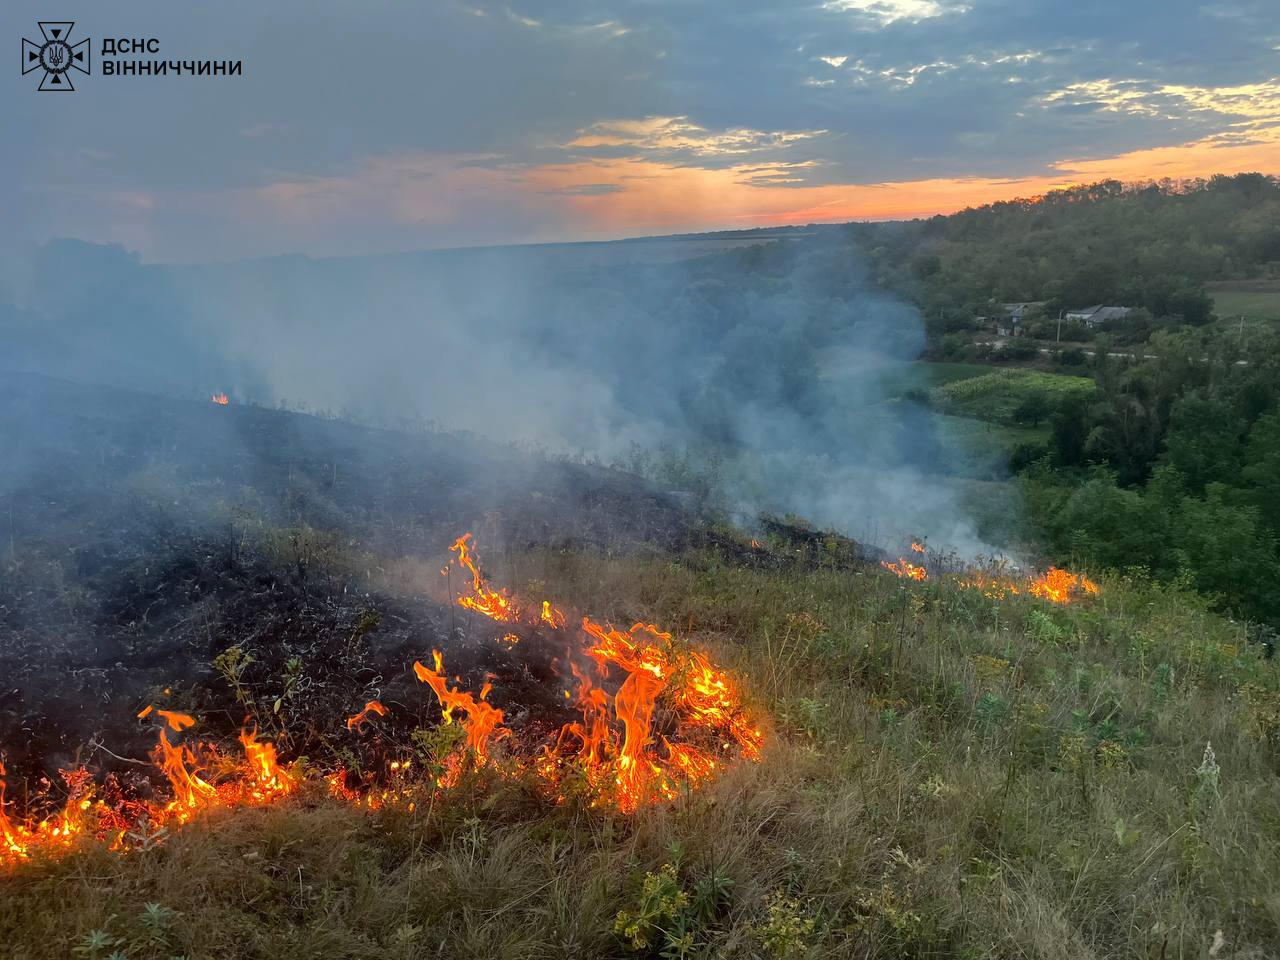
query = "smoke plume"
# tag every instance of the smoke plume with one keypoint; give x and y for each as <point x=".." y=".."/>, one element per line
<point x="757" y="376"/>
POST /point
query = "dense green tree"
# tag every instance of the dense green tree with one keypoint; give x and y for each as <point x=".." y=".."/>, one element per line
<point x="1148" y="245"/>
<point x="1202" y="443"/>
<point x="1032" y="409"/>
<point x="1261" y="470"/>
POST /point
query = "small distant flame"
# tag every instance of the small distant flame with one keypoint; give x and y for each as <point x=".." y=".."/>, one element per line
<point x="10" y="835"/>
<point x="492" y="603"/>
<point x="905" y="568"/>
<point x="755" y="544"/>
<point x="551" y="615"/>
<point x="221" y="399"/>
<point x="1055" y="584"/>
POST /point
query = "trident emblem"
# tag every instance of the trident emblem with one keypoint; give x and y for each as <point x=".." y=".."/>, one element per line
<point x="56" y="56"/>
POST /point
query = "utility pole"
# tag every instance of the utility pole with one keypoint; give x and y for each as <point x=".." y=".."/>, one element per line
<point x="1058" y="338"/>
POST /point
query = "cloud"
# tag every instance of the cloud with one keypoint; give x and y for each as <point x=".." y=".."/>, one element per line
<point x="677" y="137"/>
<point x="565" y="107"/>
<point x="585" y="189"/>
<point x="889" y="11"/>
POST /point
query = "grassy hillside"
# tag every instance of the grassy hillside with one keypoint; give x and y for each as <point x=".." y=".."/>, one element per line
<point x="946" y="775"/>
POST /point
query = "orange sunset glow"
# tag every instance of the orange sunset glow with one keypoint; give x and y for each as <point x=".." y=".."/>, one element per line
<point x="653" y="196"/>
<point x="608" y="197"/>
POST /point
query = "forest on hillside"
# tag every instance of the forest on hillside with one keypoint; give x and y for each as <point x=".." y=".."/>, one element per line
<point x="1152" y="246"/>
<point x="1172" y="462"/>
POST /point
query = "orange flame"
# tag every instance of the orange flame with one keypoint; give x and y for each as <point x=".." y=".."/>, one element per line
<point x="634" y="703"/>
<point x="492" y="603"/>
<point x="625" y="756"/>
<point x="373" y="706"/>
<point x="704" y="700"/>
<point x="14" y="843"/>
<point x="176" y="721"/>
<point x="1060" y="586"/>
<point x="905" y="568"/>
<point x="220" y="398"/>
<point x="551" y="615"/>
<point x="483" y="720"/>
<point x="179" y="765"/>
<point x="1055" y="584"/>
<point x="269" y="778"/>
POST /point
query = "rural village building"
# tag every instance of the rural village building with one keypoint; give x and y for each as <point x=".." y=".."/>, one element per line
<point x="1098" y="314"/>
<point x="1009" y="321"/>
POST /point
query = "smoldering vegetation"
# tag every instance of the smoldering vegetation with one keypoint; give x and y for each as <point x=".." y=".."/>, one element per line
<point x="159" y="551"/>
<point x="146" y="530"/>
<point x="751" y="380"/>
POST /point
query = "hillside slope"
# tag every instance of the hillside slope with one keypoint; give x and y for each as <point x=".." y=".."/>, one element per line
<point x="945" y="772"/>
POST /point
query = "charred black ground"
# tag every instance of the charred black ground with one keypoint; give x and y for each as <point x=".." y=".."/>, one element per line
<point x="144" y="538"/>
<point x="228" y="561"/>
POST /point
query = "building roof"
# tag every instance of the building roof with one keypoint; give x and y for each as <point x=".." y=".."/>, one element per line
<point x="1020" y="308"/>
<point x="1099" y="313"/>
<point x="1110" y="313"/>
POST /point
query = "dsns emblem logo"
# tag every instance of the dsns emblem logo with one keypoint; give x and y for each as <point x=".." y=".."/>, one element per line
<point x="55" y="56"/>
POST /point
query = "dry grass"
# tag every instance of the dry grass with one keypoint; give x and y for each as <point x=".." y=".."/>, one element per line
<point x="947" y="776"/>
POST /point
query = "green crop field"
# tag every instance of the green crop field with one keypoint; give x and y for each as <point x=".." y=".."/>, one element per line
<point x="1250" y="304"/>
<point x="895" y="378"/>
<point x="997" y="395"/>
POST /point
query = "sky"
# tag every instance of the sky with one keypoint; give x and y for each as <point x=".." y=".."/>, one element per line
<point x="366" y="126"/>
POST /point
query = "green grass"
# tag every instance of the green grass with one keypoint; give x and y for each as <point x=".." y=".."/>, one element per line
<point x="946" y="776"/>
<point x="895" y="378"/>
<point x="981" y="448"/>
<point x="995" y="396"/>
<point x="923" y="375"/>
<point x="1250" y="304"/>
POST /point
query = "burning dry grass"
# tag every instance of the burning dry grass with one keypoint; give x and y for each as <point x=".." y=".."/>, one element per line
<point x="954" y="774"/>
<point x="617" y="752"/>
<point x="996" y="580"/>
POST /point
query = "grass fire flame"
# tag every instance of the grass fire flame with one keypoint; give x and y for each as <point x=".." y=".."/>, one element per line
<point x="655" y="720"/>
<point x="1055" y="584"/>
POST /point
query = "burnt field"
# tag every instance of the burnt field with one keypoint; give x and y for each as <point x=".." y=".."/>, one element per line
<point x="222" y="560"/>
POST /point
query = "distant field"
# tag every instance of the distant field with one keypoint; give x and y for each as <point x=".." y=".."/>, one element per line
<point x="1251" y="304"/>
<point x="923" y="375"/>
<point x="894" y="377"/>
<point x="995" y="396"/>
<point x="980" y="449"/>
<point x="605" y="253"/>
<point x="972" y="405"/>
